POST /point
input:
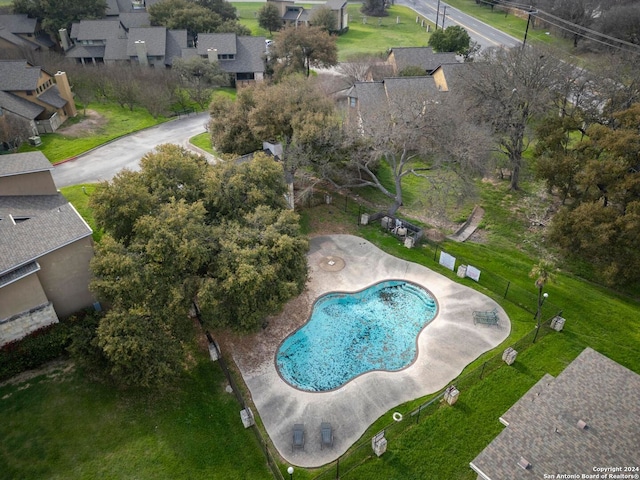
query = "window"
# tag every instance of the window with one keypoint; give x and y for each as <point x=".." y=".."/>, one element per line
<point x="352" y="102"/>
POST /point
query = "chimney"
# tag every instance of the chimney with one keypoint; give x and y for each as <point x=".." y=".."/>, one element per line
<point x="65" y="41"/>
<point x="65" y="92"/>
<point x="212" y="53"/>
<point x="141" y="50"/>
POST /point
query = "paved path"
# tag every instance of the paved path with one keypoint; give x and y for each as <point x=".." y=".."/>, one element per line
<point x="470" y="226"/>
<point x="447" y="344"/>
<point x="102" y="163"/>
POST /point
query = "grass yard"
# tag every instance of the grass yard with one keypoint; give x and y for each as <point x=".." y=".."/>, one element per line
<point x="362" y="38"/>
<point x="65" y="426"/>
<point x="79" y="195"/>
<point x="119" y="122"/>
<point x="203" y="141"/>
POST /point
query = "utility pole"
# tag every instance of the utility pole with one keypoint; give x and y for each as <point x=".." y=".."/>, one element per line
<point x="444" y="15"/>
<point x="437" y="13"/>
<point x="526" y="31"/>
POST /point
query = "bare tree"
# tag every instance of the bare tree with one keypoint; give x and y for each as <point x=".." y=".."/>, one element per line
<point x="14" y="131"/>
<point x="508" y="89"/>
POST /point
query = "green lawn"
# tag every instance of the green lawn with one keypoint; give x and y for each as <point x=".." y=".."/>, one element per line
<point x="203" y="141"/>
<point x="67" y="426"/>
<point x="121" y="121"/>
<point x="79" y="195"/>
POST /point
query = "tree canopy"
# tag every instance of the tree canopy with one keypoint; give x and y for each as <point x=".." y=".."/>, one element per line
<point x="61" y="13"/>
<point x="602" y="223"/>
<point x="297" y="49"/>
<point x="180" y="231"/>
<point x="375" y="8"/>
<point x="269" y="17"/>
<point x="452" y="39"/>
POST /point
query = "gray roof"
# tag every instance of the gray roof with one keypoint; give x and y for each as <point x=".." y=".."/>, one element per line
<point x="249" y="56"/>
<point x="19" y="106"/>
<point x="225" y="43"/>
<point x="176" y="44"/>
<point x="393" y="96"/>
<point x="112" y="8"/>
<point x="51" y="96"/>
<point x="543" y="424"/>
<point x="12" y="38"/>
<point x="18" y="75"/>
<point x="19" y="273"/>
<point x="135" y="19"/>
<point x="20" y="163"/>
<point x="42" y="233"/>
<point x="336" y="4"/>
<point x="155" y="38"/>
<point x="27" y="206"/>
<point x="116" y="49"/>
<point x="19" y="23"/>
<point x="87" y="51"/>
<point x="97" y="30"/>
<point x="423" y="57"/>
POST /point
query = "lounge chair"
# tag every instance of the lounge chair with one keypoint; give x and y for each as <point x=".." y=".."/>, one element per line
<point x="298" y="436"/>
<point x="326" y="435"/>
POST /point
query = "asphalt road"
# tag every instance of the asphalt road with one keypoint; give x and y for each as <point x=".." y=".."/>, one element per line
<point x="105" y="161"/>
<point x="482" y="33"/>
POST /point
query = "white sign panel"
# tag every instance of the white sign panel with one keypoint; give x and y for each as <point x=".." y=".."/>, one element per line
<point x="473" y="273"/>
<point x="447" y="260"/>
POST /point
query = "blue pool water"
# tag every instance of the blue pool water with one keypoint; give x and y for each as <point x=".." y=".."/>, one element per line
<point x="349" y="334"/>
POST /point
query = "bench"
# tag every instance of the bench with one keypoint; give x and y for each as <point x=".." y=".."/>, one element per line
<point x="486" y="318"/>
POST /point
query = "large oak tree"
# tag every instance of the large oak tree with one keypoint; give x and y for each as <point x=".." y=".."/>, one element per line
<point x="181" y="231"/>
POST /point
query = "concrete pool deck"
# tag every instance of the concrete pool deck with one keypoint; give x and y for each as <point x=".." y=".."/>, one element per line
<point x="445" y="346"/>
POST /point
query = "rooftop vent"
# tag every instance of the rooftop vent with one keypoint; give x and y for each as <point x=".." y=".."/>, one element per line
<point x="524" y="463"/>
<point x="582" y="425"/>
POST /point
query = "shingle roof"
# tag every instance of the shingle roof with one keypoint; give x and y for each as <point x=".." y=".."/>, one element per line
<point x="97" y="30"/>
<point x="249" y="56"/>
<point x="51" y="96"/>
<point x="225" y="43"/>
<point x="19" y="106"/>
<point x="14" y="39"/>
<point x="112" y="8"/>
<point x="20" y="163"/>
<point x="336" y="4"/>
<point x="543" y="424"/>
<point x="47" y="231"/>
<point x="19" y="23"/>
<point x="26" y="206"/>
<point x="87" y="51"/>
<point x="176" y="44"/>
<point x="19" y="273"/>
<point x="18" y="75"/>
<point x="155" y="38"/>
<point x="423" y="57"/>
<point x="135" y="19"/>
<point x="116" y="49"/>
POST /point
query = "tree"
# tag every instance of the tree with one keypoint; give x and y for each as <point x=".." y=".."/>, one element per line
<point x="199" y="77"/>
<point x="61" y="13"/>
<point x="602" y="225"/>
<point x="622" y="22"/>
<point x="228" y="124"/>
<point x="543" y="274"/>
<point x="412" y="134"/>
<point x="194" y="232"/>
<point x="508" y="89"/>
<point x="375" y="8"/>
<point x="324" y="18"/>
<point x="452" y="39"/>
<point x="14" y="131"/>
<point x="269" y="17"/>
<point x="297" y="49"/>
<point x="223" y="8"/>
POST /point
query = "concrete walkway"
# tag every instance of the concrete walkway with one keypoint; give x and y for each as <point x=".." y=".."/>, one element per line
<point x="448" y="343"/>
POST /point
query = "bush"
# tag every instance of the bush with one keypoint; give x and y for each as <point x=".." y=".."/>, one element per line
<point x="33" y="351"/>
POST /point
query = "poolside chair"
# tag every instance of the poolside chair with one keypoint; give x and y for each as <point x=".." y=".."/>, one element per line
<point x="298" y="436"/>
<point x="326" y="435"/>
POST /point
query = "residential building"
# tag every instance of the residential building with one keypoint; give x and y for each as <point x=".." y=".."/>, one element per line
<point x="241" y="56"/>
<point x="296" y="14"/>
<point x="19" y="32"/>
<point x="28" y="92"/>
<point x="45" y="249"/>
<point x="400" y="58"/>
<point x="585" y="419"/>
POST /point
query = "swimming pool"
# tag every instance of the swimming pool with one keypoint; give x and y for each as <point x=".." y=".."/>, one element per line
<point x="349" y="334"/>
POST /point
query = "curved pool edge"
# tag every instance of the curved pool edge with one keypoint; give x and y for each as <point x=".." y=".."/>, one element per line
<point x="354" y="293"/>
<point x="453" y="342"/>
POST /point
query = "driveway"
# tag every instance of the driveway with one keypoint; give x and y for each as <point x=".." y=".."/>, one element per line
<point x="104" y="162"/>
<point x="445" y="347"/>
